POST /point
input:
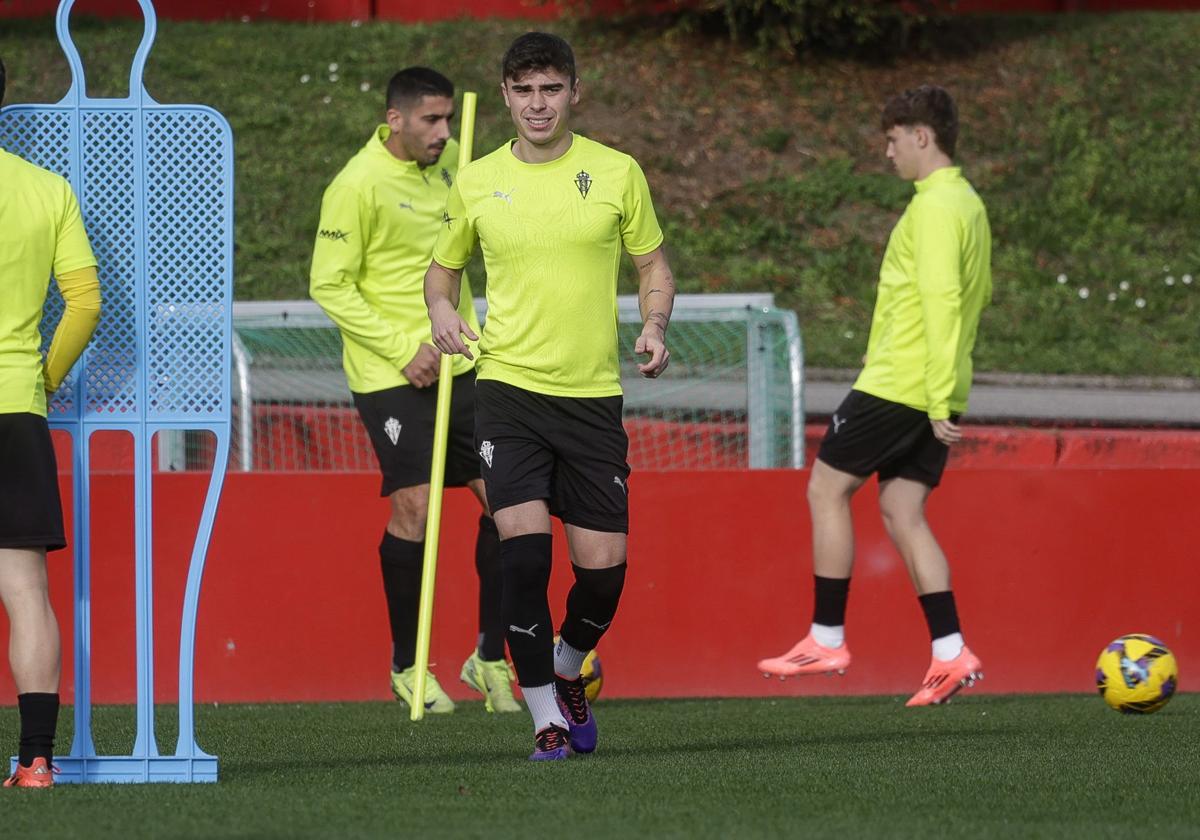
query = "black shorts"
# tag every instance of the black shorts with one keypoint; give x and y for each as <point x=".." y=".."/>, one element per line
<point x="30" y="507"/>
<point x="569" y="451"/>
<point x="868" y="435"/>
<point x="400" y="423"/>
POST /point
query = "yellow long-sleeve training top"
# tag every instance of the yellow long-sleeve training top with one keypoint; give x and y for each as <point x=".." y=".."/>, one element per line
<point x="379" y="220"/>
<point x="41" y="231"/>
<point x="935" y="280"/>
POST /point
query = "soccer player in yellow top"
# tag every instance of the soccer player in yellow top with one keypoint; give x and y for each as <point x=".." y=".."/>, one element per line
<point x="41" y="232"/>
<point x="552" y="212"/>
<point x="379" y="219"/>
<point x="902" y="415"/>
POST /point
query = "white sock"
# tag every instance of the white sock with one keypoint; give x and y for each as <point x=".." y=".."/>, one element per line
<point x="568" y="662"/>
<point x="543" y="705"/>
<point x="830" y="637"/>
<point x="948" y="647"/>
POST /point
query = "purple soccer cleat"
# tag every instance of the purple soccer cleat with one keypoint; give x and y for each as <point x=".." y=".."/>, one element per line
<point x="550" y="744"/>
<point x="572" y="699"/>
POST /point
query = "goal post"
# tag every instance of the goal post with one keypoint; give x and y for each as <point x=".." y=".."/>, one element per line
<point x="731" y="399"/>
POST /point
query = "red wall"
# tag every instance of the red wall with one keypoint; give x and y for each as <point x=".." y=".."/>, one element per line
<point x="308" y="10"/>
<point x="423" y="10"/>
<point x="1050" y="564"/>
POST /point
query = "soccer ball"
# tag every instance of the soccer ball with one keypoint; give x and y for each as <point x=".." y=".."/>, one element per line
<point x="593" y="676"/>
<point x="1136" y="674"/>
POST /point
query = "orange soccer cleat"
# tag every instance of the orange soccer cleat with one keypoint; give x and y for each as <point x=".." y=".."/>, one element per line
<point x="944" y="679"/>
<point x="40" y="774"/>
<point x="807" y="657"/>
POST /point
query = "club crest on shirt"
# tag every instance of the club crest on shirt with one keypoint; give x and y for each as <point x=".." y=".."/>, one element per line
<point x="584" y="182"/>
<point x="446" y="177"/>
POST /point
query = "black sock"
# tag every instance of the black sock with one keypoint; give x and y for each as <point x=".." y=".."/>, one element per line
<point x="491" y="587"/>
<point x="829" y="601"/>
<point x="39" y="719"/>
<point x="401" y="562"/>
<point x="591" y="605"/>
<point x="940" y="613"/>
<point x="525" y="561"/>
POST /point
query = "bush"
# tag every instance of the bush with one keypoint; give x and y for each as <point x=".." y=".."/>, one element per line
<point x="875" y="27"/>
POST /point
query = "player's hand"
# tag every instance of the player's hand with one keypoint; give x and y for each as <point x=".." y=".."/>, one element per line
<point x="653" y="345"/>
<point x="449" y="329"/>
<point x="946" y="431"/>
<point x="422" y="371"/>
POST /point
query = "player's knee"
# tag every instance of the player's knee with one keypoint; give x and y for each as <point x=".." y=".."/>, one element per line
<point x="410" y="509"/>
<point x="823" y="491"/>
<point x="603" y="585"/>
<point x="901" y="520"/>
<point x="525" y="563"/>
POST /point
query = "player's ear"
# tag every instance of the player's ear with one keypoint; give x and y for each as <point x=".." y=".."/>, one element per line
<point x="575" y="92"/>
<point x="504" y="93"/>
<point x="395" y="120"/>
<point x="924" y="136"/>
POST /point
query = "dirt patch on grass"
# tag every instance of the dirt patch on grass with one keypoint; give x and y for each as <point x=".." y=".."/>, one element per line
<point x="704" y="117"/>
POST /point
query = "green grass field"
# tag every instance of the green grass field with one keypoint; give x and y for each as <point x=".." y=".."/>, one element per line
<point x="1057" y="766"/>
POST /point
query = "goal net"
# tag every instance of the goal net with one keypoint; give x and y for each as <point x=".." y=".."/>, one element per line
<point x="731" y="398"/>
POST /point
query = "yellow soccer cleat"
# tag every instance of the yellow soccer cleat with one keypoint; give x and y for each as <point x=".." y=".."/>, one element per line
<point x="437" y="701"/>
<point x="491" y="679"/>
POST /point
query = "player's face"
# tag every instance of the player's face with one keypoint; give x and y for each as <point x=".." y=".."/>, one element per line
<point x="540" y="103"/>
<point x="421" y="132"/>
<point x="904" y="150"/>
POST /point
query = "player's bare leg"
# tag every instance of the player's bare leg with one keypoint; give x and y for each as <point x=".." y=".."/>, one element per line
<point x="829" y="493"/>
<point x="525" y="556"/>
<point x="823" y="650"/>
<point x="953" y="666"/>
<point x="902" y="505"/>
<point x="34" y="651"/>
<point x="34" y="654"/>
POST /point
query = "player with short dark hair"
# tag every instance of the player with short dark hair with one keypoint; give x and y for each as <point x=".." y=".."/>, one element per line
<point x="902" y="415"/>
<point x="552" y="211"/>
<point x="43" y="233"/>
<point x="379" y="219"/>
<point x="409" y="86"/>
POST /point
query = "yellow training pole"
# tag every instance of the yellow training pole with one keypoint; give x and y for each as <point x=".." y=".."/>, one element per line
<point x="437" y="476"/>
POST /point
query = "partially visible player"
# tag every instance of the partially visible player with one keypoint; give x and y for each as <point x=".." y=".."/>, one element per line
<point x="902" y="415"/>
<point x="41" y="231"/>
<point x="552" y="212"/>
<point x="379" y="219"/>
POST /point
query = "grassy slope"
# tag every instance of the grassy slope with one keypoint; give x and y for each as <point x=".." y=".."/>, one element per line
<point x="1048" y="766"/>
<point x="1078" y="132"/>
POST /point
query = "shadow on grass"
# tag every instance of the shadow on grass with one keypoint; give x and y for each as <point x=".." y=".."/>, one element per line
<point x="856" y="739"/>
<point x="460" y="757"/>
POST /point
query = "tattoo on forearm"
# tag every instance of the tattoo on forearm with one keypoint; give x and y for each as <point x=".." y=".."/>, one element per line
<point x="659" y="319"/>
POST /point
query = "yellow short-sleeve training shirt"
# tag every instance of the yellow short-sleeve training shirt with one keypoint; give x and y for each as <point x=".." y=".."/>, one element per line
<point x="552" y="235"/>
<point x="41" y="231"/>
